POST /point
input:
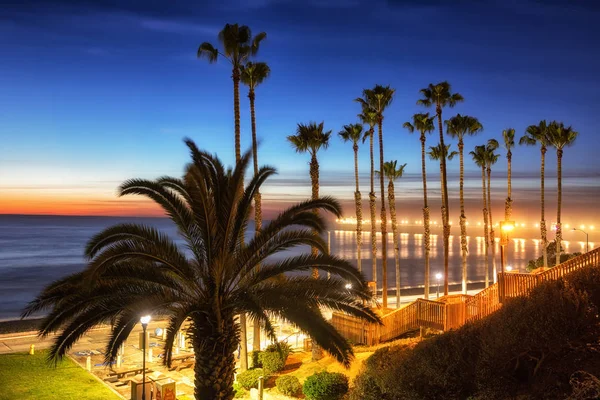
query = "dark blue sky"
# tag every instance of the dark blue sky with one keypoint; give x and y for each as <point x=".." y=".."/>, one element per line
<point x="94" y="92"/>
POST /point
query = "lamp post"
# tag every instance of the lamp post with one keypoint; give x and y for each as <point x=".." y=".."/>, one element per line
<point x="438" y="276"/>
<point x="587" y="242"/>
<point x="144" y="320"/>
<point x="505" y="228"/>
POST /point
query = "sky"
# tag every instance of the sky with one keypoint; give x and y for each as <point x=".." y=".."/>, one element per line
<point x="96" y="92"/>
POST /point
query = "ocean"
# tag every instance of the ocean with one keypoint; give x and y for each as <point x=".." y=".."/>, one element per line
<point x="37" y="250"/>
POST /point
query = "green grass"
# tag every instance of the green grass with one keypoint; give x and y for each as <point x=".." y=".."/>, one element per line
<point x="25" y="377"/>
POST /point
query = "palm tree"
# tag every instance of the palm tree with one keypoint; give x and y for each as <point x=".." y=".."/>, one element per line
<point x="393" y="172"/>
<point x="538" y="134"/>
<point x="377" y="100"/>
<point x="370" y="117"/>
<point x="424" y="124"/>
<point x="440" y="96"/>
<point x="440" y="153"/>
<point x="460" y="126"/>
<point x="238" y="46"/>
<point x="560" y="136"/>
<point x="490" y="159"/>
<point x="252" y="75"/>
<point x="508" y="136"/>
<point x="135" y="270"/>
<point x="353" y="133"/>
<point x="311" y="138"/>
<point x="479" y="157"/>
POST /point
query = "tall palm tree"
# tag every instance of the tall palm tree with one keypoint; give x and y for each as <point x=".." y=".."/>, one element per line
<point x="377" y="100"/>
<point x="369" y="117"/>
<point x="135" y="270"/>
<point x="560" y="136"/>
<point x="353" y="133"/>
<point x="393" y="172"/>
<point x="440" y="96"/>
<point x="491" y="157"/>
<point x="508" y="136"/>
<point x="440" y="153"/>
<point x="252" y="75"/>
<point x="238" y="45"/>
<point x="479" y="157"/>
<point x="310" y="138"/>
<point x="538" y="134"/>
<point x="460" y="126"/>
<point x="424" y="124"/>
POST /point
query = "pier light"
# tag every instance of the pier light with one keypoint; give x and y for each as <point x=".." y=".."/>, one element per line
<point x="567" y="226"/>
<point x="507" y="226"/>
<point x="581" y="226"/>
<point x="509" y="268"/>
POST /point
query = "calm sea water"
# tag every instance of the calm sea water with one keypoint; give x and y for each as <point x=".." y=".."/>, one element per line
<point x="37" y="250"/>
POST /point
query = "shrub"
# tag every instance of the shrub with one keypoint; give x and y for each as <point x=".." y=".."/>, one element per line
<point x="255" y="356"/>
<point x="249" y="379"/>
<point x="239" y="391"/>
<point x="492" y="358"/>
<point x="274" y="357"/>
<point x="288" y="385"/>
<point x="325" y="386"/>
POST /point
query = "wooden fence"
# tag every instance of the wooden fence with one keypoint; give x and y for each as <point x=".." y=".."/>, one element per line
<point x="451" y="312"/>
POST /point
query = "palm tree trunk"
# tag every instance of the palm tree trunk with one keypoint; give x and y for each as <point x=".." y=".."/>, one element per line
<point x="543" y="230"/>
<point x="358" y="200"/>
<point x="214" y="348"/>
<point x="426" y="242"/>
<point x="463" y="219"/>
<point x="314" y="178"/>
<point x="236" y="111"/>
<point x="384" y="284"/>
<point x="238" y="157"/>
<point x="559" y="153"/>
<point x="257" y="204"/>
<point x="492" y="239"/>
<point x="485" y="230"/>
<point x="445" y="205"/>
<point x="392" y="201"/>
<point x="443" y="216"/>
<point x="508" y="203"/>
<point x="372" y="199"/>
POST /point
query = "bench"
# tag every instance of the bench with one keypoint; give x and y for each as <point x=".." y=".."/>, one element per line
<point x="122" y="373"/>
<point x="182" y="361"/>
<point x="182" y="365"/>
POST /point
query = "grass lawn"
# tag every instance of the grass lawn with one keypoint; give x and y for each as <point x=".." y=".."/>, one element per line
<point x="25" y="377"/>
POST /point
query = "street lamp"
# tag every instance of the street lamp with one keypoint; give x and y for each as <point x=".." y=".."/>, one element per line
<point x="144" y="320"/>
<point x="587" y="242"/>
<point x="438" y="276"/>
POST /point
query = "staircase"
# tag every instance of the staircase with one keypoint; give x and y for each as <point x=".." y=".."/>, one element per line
<point x="453" y="311"/>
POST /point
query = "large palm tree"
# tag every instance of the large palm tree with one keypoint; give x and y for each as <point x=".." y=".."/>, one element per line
<point x="135" y="270"/>
<point x="479" y="157"/>
<point x="508" y="136"/>
<point x="252" y="75"/>
<point x="440" y="96"/>
<point x="491" y="157"/>
<point x="377" y="100"/>
<point x="460" y="126"/>
<point x="369" y="117"/>
<point x="424" y="124"/>
<point x="538" y="134"/>
<point x="393" y="172"/>
<point x="238" y="45"/>
<point x="439" y="153"/>
<point x="353" y="133"/>
<point x="560" y="136"/>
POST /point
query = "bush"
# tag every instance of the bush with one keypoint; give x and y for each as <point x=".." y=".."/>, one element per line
<point x="325" y="386"/>
<point x="274" y="357"/>
<point x="239" y="391"/>
<point x="493" y="358"/>
<point x="249" y="379"/>
<point x="288" y="385"/>
<point x="255" y="357"/>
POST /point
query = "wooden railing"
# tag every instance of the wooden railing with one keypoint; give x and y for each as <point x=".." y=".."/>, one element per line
<point x="451" y="312"/>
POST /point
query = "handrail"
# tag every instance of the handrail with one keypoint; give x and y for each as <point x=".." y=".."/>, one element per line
<point x="448" y="313"/>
